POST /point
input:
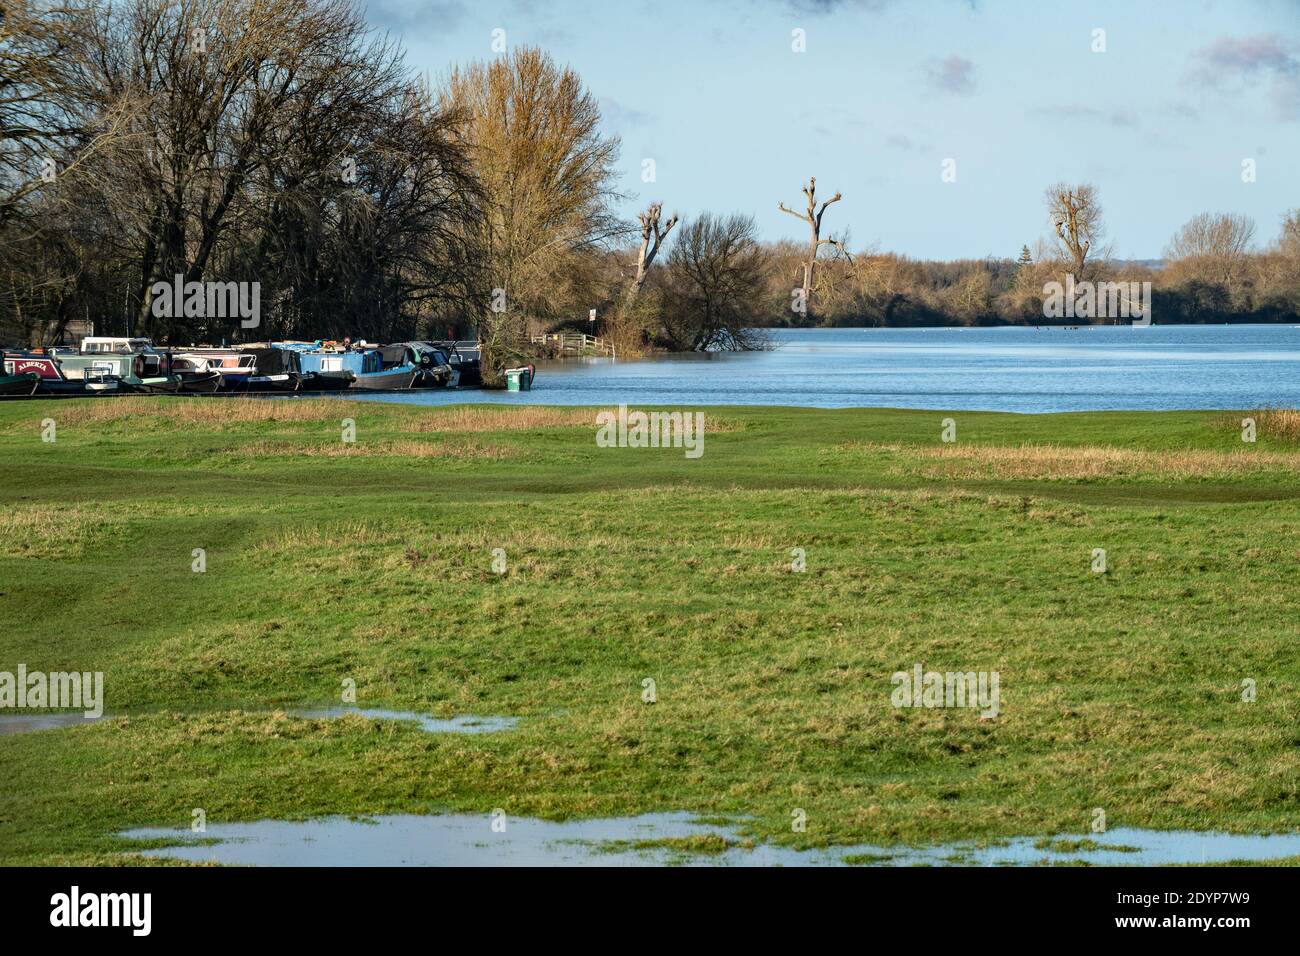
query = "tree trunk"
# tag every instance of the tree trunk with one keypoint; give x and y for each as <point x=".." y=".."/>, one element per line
<point x="813" y="216"/>
<point x="652" y="237"/>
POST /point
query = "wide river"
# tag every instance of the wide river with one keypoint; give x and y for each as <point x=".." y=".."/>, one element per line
<point x="997" y="369"/>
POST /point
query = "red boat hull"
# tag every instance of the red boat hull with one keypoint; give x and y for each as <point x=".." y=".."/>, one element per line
<point x="45" y="367"/>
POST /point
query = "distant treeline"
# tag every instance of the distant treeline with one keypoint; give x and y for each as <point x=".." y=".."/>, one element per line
<point x="891" y="290"/>
<point x="286" y="143"/>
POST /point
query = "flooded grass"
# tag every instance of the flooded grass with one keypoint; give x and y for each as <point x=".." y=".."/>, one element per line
<point x="461" y="724"/>
<point x="1121" y="689"/>
<point x="659" y="839"/>
<point x="30" y="723"/>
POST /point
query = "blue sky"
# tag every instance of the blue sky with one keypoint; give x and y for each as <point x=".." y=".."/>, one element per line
<point x="886" y="90"/>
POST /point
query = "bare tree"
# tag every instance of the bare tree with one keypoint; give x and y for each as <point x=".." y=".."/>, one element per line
<point x="1213" y="236"/>
<point x="813" y="216"/>
<point x="1075" y="214"/>
<point x="714" y="293"/>
<point x="38" y="117"/>
<point x="652" y="237"/>
<point x="1289" y="241"/>
<point x="227" y="85"/>
<point x="51" y="137"/>
<point x="1212" y="248"/>
<point x="275" y="141"/>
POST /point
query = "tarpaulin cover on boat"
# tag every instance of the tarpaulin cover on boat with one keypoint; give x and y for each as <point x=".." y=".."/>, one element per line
<point x="274" y="361"/>
<point x="393" y="355"/>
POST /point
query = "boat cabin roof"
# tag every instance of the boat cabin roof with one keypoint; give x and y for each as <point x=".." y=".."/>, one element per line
<point x="119" y="346"/>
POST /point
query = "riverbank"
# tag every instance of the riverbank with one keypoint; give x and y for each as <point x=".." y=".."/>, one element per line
<point x="496" y="561"/>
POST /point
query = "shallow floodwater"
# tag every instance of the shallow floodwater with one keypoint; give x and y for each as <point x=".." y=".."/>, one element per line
<point x="460" y="724"/>
<point x="1047" y="369"/>
<point x="470" y="840"/>
<point x="26" y="723"/>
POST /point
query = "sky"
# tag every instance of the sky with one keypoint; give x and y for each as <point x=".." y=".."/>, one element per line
<point x="1186" y="99"/>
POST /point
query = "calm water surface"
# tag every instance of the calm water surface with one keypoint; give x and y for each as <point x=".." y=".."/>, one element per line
<point x="470" y="840"/>
<point x="999" y="369"/>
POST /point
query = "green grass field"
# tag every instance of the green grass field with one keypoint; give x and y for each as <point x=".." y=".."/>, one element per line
<point x="372" y="562"/>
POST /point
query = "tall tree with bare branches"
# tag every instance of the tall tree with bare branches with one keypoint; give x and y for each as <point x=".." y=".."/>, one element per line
<point x="282" y="142"/>
<point x="230" y="85"/>
<point x="652" y="237"/>
<point x="1213" y="236"/>
<point x="1288" y="242"/>
<point x="813" y="216"/>
<point x="716" y="274"/>
<point x="39" y="51"/>
<point x="51" y="138"/>
<point x="1075" y="214"/>
<point x="1214" y="247"/>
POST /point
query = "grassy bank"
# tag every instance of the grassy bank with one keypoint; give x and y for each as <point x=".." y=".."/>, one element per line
<point x="372" y="562"/>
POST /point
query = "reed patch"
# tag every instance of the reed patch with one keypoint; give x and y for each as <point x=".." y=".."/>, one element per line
<point x="213" y="412"/>
<point x="1067" y="463"/>
<point x="481" y="418"/>
<point x="1279" y="423"/>
<point x="456" y="450"/>
<point x="488" y="419"/>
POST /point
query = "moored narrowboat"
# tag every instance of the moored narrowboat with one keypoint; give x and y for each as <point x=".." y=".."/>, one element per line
<point x="466" y="365"/>
<point x="232" y="365"/>
<point x="398" y="368"/>
<point x="44" y="364"/>
<point x="135" y="363"/>
<point x="274" y="370"/>
<point x="435" y="369"/>
<point x="326" y="366"/>
<point x="23" y="384"/>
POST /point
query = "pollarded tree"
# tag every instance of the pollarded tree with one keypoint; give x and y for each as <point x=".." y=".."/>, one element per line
<point x="1075" y="214"/>
<point x="652" y="237"/>
<point x="812" y="215"/>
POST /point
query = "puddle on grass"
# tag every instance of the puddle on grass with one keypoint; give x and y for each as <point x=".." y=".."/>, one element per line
<point x="462" y="724"/>
<point x="446" y="840"/>
<point x="26" y="723"/>
<point x="656" y="839"/>
<point x="1120" y="847"/>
